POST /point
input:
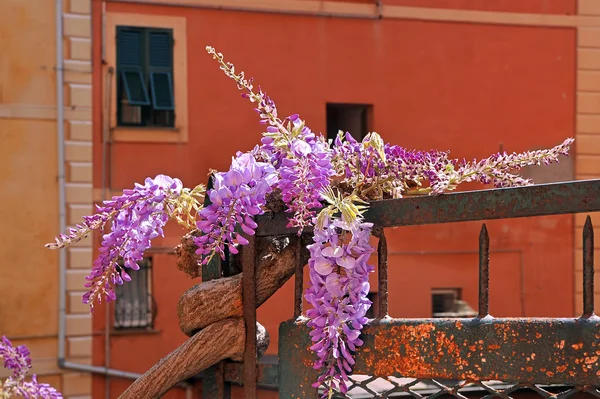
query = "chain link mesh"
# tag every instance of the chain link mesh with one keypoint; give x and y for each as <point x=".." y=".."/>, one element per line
<point x="363" y="387"/>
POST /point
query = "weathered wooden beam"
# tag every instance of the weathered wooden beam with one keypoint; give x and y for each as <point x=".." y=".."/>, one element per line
<point x="217" y="342"/>
<point x="219" y="299"/>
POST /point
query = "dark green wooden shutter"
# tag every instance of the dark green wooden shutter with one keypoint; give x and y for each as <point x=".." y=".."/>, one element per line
<point x="160" y="64"/>
<point x="130" y="65"/>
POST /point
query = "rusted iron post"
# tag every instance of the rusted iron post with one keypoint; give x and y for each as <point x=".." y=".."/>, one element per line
<point x="298" y="281"/>
<point x="296" y="374"/>
<point x="588" y="268"/>
<point x="484" y="272"/>
<point x="249" y="312"/>
<point x="213" y="378"/>
<point x="214" y="385"/>
<point x="382" y="270"/>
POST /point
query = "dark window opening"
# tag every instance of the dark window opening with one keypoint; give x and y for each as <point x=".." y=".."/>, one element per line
<point x="134" y="306"/>
<point x="372" y="311"/>
<point x="352" y="118"/>
<point x="443" y="301"/>
<point x="145" y="86"/>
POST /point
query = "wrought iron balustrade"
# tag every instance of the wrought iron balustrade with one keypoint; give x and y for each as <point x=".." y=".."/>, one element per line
<point x="493" y="357"/>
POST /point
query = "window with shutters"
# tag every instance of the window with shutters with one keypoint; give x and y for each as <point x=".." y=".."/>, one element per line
<point x="134" y="305"/>
<point x="145" y="83"/>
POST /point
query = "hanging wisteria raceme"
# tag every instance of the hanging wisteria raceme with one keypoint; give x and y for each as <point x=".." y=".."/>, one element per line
<point x="18" y="361"/>
<point x="133" y="228"/>
<point x="136" y="217"/>
<point x="339" y="284"/>
<point x="306" y="173"/>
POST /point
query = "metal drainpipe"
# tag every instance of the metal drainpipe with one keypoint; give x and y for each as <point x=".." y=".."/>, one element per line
<point x="62" y="221"/>
<point x="62" y="205"/>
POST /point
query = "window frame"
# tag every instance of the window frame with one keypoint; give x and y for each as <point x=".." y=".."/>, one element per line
<point x="366" y="120"/>
<point x="135" y="134"/>
<point x="147" y="109"/>
<point x="456" y="292"/>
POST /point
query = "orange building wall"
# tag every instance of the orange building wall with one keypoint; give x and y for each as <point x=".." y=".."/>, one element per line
<point x="561" y="7"/>
<point x="445" y="85"/>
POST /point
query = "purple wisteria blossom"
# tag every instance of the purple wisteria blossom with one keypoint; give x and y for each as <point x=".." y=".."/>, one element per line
<point x="236" y="197"/>
<point x="302" y="159"/>
<point x="380" y="170"/>
<point x="135" y="218"/>
<point x="497" y="168"/>
<point x="305" y="172"/>
<point x="17" y="359"/>
<point x="140" y="216"/>
<point x="339" y="284"/>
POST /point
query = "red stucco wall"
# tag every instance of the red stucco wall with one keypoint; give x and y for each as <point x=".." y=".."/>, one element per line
<point x="565" y="7"/>
<point x="463" y="87"/>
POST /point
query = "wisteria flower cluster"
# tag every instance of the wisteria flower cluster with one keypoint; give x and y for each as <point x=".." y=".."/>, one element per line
<point x="302" y="158"/>
<point x="236" y="197"/>
<point x="339" y="284"/>
<point x="326" y="185"/>
<point x="136" y="217"/>
<point x="17" y="359"/>
<point x="379" y="170"/>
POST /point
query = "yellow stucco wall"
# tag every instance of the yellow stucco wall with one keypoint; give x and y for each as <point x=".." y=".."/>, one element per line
<point x="587" y="141"/>
<point x="29" y="272"/>
<point x="27" y="46"/>
<point x="28" y="169"/>
<point x="28" y="180"/>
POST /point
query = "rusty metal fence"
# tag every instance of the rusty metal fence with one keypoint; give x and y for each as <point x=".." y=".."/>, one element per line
<point x="493" y="357"/>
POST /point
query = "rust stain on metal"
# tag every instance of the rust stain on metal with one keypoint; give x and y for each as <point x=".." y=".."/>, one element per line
<point x="591" y="360"/>
<point x="412" y="339"/>
<point x="524" y="350"/>
<point x="307" y="362"/>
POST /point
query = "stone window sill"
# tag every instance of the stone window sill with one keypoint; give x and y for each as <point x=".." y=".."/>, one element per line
<point x="134" y="331"/>
<point x="149" y="135"/>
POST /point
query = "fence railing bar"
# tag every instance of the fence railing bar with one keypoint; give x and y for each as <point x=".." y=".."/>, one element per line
<point x="504" y="203"/>
<point x="484" y="272"/>
<point x="588" y="268"/>
<point x="249" y="312"/>
<point x="213" y="378"/>
<point x="298" y="281"/>
<point x="382" y="270"/>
